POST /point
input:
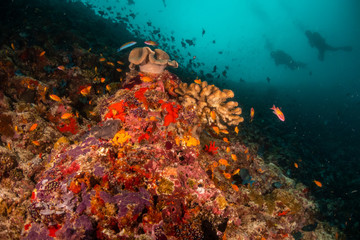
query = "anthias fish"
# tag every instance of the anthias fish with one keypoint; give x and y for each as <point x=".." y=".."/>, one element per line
<point x="151" y="43"/>
<point x="278" y="113"/>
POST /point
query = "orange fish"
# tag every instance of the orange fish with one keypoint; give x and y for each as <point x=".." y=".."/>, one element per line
<point x="85" y="91"/>
<point x="252" y="113"/>
<point x="119" y="69"/>
<point x="12" y="46"/>
<point x="236" y="130"/>
<point x="55" y="97"/>
<point x="67" y="116"/>
<point x="227" y="149"/>
<point x="151" y="43"/>
<point x="36" y="143"/>
<point x="319" y="184"/>
<point x="236" y="188"/>
<point x="102" y="80"/>
<point x="95" y="69"/>
<point x="102" y="59"/>
<point x="198" y="81"/>
<point x="278" y="113"/>
<point x="120" y="62"/>
<point x="216" y="129"/>
<point x="110" y="64"/>
<point x="236" y="171"/>
<point x="146" y="79"/>
<point x="61" y="67"/>
<point x="33" y="127"/>
<point x="233" y="156"/>
<point x="224" y="131"/>
<point x="42" y="54"/>
<point x="226" y="140"/>
<point x="213" y="115"/>
<point x="296" y="165"/>
<point x="227" y="175"/>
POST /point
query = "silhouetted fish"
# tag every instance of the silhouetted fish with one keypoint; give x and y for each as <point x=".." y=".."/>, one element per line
<point x="203" y="32"/>
<point x="268" y="79"/>
<point x="214" y="70"/>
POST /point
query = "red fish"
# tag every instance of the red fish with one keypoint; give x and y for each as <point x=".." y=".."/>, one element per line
<point x="278" y="113"/>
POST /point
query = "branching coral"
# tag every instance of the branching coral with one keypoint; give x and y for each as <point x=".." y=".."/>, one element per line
<point x="210" y="104"/>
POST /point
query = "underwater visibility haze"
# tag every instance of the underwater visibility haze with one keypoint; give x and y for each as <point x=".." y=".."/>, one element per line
<point x="163" y="119"/>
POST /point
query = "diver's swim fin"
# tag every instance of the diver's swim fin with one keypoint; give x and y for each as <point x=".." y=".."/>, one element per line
<point x="347" y="48"/>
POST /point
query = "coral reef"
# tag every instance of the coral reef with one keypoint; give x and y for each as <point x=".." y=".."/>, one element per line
<point x="150" y="61"/>
<point x="91" y="152"/>
<point x="209" y="103"/>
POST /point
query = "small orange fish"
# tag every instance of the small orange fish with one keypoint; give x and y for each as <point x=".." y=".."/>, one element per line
<point x="61" y="67"/>
<point x="216" y="129"/>
<point x="102" y="59"/>
<point x="9" y="146"/>
<point x="233" y="157"/>
<point x="89" y="49"/>
<point x="296" y="165"/>
<point x="102" y="80"/>
<point x="119" y="69"/>
<point x="151" y="43"/>
<point x="92" y="113"/>
<point x="146" y="79"/>
<point x="95" y="69"/>
<point x="260" y="170"/>
<point x="278" y="113"/>
<point x="319" y="184"/>
<point x="246" y="151"/>
<point x="36" y="143"/>
<point x="67" y="116"/>
<point x="12" y="46"/>
<point x="213" y="115"/>
<point x="236" y="171"/>
<point x="198" y="81"/>
<point x="85" y="91"/>
<point x="224" y="162"/>
<point x="227" y="149"/>
<point x="110" y="64"/>
<point x="224" y="131"/>
<point x="42" y="54"/>
<point x="236" y="188"/>
<point x="55" y="97"/>
<point x="252" y="113"/>
<point x="236" y="130"/>
<point x="226" y="140"/>
<point x="33" y="127"/>
<point x="120" y="62"/>
<point x="227" y="175"/>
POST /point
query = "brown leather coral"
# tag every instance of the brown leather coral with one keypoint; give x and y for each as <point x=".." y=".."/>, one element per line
<point x="150" y="61"/>
<point x="206" y="98"/>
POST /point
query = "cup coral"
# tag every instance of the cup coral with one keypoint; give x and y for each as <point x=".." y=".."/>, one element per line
<point x="210" y="104"/>
<point x="150" y="61"/>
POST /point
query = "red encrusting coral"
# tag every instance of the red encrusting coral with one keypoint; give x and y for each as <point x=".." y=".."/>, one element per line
<point x="139" y="94"/>
<point x="172" y="112"/>
<point x="117" y="111"/>
<point x="71" y="127"/>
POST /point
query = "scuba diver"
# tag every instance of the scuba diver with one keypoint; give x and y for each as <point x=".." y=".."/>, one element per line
<point x="282" y="58"/>
<point x="317" y="41"/>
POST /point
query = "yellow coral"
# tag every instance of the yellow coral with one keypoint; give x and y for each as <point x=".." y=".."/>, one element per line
<point x="191" y="141"/>
<point x="120" y="138"/>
